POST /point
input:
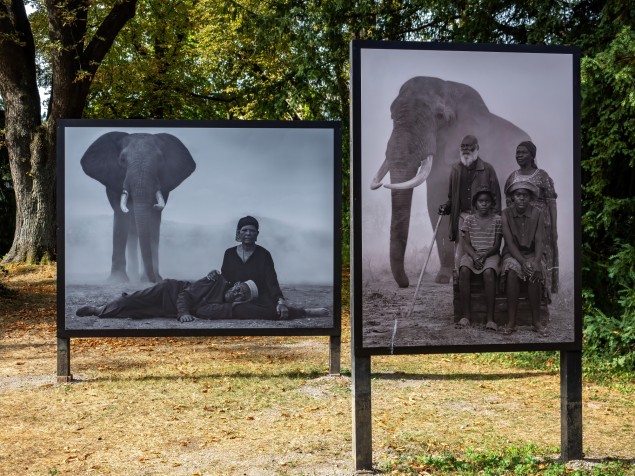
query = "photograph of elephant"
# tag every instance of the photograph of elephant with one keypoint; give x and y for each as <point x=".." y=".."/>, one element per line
<point x="160" y="205"/>
<point x="439" y="132"/>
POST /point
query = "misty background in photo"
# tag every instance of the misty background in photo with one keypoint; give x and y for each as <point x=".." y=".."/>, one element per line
<point x="282" y="176"/>
<point x="532" y="90"/>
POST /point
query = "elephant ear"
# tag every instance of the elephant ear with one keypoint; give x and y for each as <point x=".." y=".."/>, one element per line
<point x="101" y="160"/>
<point x="178" y="162"/>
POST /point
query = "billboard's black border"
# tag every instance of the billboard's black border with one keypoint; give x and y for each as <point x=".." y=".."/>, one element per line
<point x="356" y="47"/>
<point x="335" y="126"/>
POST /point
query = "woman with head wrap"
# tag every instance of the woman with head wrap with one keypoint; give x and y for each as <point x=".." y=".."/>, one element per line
<point x="545" y="201"/>
<point x="251" y="261"/>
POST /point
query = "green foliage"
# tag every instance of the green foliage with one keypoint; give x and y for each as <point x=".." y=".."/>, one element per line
<point x="609" y="341"/>
<point x="152" y="70"/>
<point x="519" y="461"/>
<point x="608" y="128"/>
<point x="548" y="361"/>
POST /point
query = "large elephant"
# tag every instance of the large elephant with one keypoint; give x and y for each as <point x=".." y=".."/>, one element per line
<point x="430" y="117"/>
<point x="139" y="171"/>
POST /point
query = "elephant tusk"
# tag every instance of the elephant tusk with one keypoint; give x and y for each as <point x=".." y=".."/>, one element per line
<point x="381" y="173"/>
<point x="160" y="205"/>
<point x="424" y="171"/>
<point x="123" y="202"/>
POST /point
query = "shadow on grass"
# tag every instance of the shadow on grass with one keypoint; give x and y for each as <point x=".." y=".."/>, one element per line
<point x="250" y="375"/>
<point x="463" y="376"/>
<point x="313" y="375"/>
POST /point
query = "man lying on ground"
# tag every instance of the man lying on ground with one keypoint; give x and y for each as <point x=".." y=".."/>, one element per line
<point x="211" y="297"/>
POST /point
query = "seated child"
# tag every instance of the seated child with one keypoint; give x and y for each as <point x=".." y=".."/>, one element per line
<point x="481" y="236"/>
<point x="523" y="253"/>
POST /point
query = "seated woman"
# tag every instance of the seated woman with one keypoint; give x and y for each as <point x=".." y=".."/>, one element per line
<point x="249" y="261"/>
<point x="211" y="297"/>
<point x="545" y="201"/>
<point x="481" y="236"/>
<point x="523" y="253"/>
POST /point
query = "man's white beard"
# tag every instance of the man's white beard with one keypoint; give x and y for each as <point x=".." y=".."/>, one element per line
<point x="469" y="159"/>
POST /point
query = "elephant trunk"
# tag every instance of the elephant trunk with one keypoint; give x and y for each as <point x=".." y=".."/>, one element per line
<point x="144" y="223"/>
<point x="409" y="146"/>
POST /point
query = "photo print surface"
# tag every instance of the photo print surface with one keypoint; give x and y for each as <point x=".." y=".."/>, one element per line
<point x="437" y="132"/>
<point x="200" y="228"/>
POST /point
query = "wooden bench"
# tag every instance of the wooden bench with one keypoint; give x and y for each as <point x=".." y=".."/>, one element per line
<point x="479" y="307"/>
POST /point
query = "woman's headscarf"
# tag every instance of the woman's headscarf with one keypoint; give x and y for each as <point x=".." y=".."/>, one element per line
<point x="244" y="221"/>
<point x="522" y="183"/>
<point x="531" y="147"/>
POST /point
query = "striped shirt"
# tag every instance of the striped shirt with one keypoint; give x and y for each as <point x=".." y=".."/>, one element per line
<point x="483" y="231"/>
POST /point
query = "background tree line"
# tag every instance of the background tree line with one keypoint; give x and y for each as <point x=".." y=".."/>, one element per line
<point x="288" y="59"/>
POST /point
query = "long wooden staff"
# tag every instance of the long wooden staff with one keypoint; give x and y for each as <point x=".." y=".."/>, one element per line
<point x="434" y="236"/>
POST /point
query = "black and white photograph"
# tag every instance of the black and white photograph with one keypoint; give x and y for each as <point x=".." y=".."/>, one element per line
<point x="466" y="196"/>
<point x="199" y="228"/>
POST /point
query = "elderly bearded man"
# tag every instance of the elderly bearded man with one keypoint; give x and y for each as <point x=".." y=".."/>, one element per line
<point x="211" y="297"/>
<point x="470" y="174"/>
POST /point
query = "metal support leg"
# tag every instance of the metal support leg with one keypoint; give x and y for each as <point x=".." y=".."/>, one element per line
<point x="64" y="360"/>
<point x="362" y="424"/>
<point x="571" y="405"/>
<point x="335" y="354"/>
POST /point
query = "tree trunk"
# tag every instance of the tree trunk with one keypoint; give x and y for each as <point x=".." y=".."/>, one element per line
<point x="32" y="143"/>
<point x="34" y="184"/>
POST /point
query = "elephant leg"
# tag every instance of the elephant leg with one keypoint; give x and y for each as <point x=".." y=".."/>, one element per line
<point x="120" y="228"/>
<point x="399" y="227"/>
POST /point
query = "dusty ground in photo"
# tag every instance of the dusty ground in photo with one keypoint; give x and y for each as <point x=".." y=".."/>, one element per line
<point x="388" y="323"/>
<point x="92" y="294"/>
<point x="260" y="406"/>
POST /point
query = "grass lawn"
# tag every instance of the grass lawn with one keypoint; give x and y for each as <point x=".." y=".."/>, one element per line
<point x="267" y="406"/>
